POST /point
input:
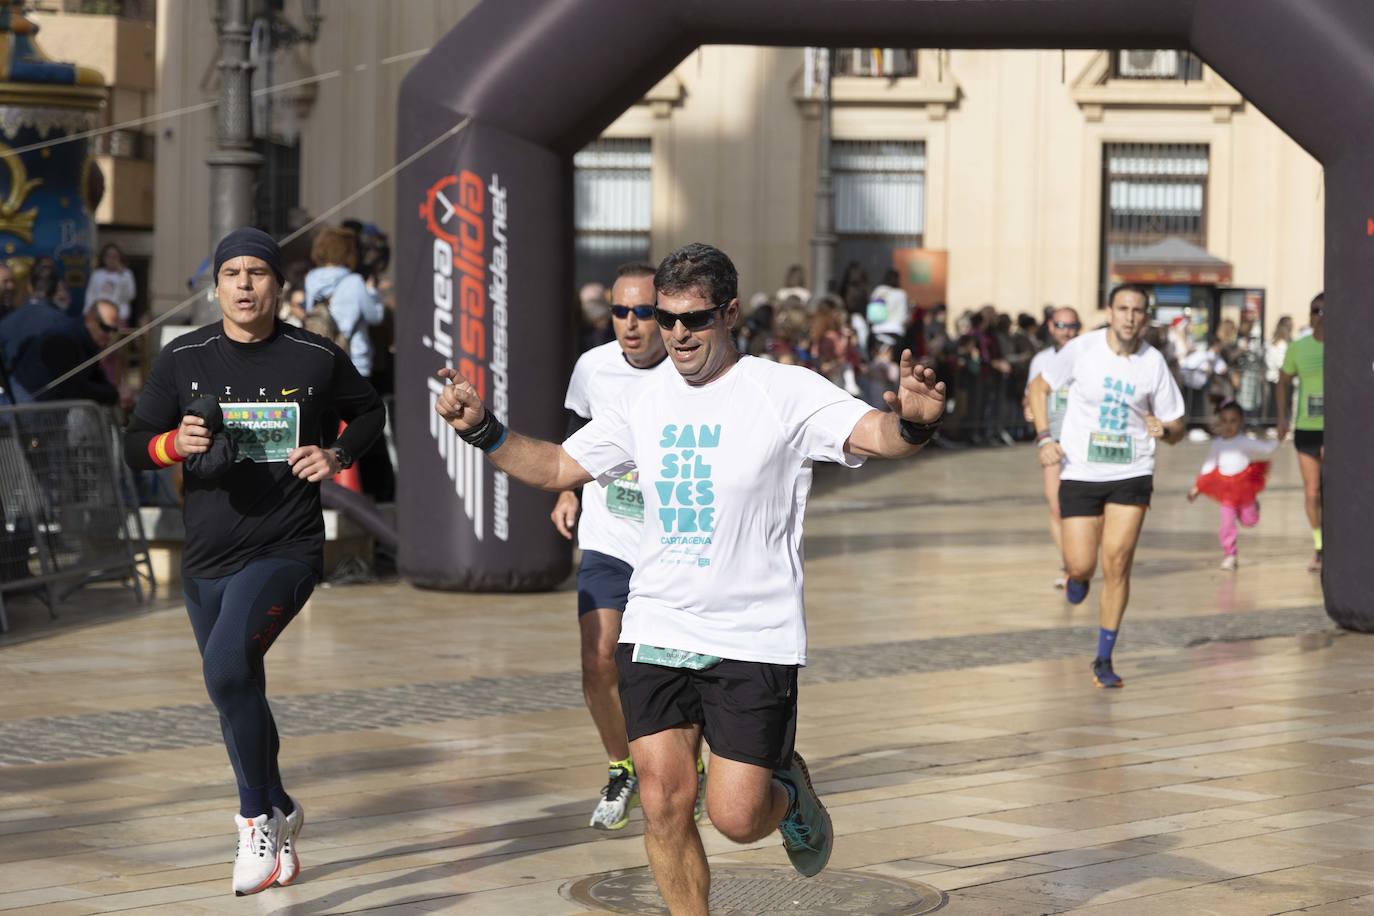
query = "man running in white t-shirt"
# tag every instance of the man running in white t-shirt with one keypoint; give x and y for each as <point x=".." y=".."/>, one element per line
<point x="1064" y="327"/>
<point x="714" y="630"/>
<point x="1122" y="398"/>
<point x="612" y="518"/>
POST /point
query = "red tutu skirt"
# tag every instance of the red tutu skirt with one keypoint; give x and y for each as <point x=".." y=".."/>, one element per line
<point x="1236" y="490"/>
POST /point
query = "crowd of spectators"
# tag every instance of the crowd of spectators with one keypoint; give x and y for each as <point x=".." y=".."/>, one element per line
<point x="855" y="334"/>
<point x="43" y="338"/>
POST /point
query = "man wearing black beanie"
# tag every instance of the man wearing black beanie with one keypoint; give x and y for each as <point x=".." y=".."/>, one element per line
<point x="254" y="544"/>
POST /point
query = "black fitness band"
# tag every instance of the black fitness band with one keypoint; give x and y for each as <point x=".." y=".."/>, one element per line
<point x="487" y="435"/>
<point x="916" y="433"/>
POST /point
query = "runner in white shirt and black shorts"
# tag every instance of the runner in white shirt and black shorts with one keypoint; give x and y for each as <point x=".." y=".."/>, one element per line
<point x="1064" y="327"/>
<point x="609" y="529"/>
<point x="1122" y="398"/>
<point x="714" y="630"/>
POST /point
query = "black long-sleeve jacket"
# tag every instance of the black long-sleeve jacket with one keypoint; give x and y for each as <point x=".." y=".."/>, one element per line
<point x="288" y="390"/>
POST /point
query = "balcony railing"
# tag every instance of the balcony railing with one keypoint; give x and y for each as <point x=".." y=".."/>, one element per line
<point x="1156" y="64"/>
<point x="127" y="9"/>
<point x="126" y="144"/>
<point x="883" y="62"/>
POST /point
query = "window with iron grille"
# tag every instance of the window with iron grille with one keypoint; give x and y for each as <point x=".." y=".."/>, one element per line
<point x="1156" y="64"/>
<point x="879" y="201"/>
<point x="612" y="207"/>
<point x="279" y="185"/>
<point x="1151" y="192"/>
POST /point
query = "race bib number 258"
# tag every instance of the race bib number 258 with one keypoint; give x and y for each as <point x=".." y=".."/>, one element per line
<point x="624" y="498"/>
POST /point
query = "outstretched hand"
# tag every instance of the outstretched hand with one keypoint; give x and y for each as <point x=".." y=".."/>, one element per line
<point x="919" y="397"/>
<point x="459" y="404"/>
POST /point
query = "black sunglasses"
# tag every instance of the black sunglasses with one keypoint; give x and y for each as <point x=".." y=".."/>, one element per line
<point x="692" y="321"/>
<point x="1067" y="326"/>
<point x="642" y="312"/>
<point x="108" y="328"/>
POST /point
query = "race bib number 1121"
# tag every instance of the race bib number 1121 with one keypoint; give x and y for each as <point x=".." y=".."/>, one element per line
<point x="1110" y="448"/>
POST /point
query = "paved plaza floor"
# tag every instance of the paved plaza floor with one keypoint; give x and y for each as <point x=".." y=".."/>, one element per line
<point x="439" y="744"/>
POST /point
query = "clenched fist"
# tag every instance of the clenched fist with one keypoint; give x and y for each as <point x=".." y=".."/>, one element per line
<point x="192" y="437"/>
<point x="459" y="404"/>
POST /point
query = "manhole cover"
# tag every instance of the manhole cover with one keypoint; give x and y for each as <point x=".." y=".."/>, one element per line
<point x="744" y="890"/>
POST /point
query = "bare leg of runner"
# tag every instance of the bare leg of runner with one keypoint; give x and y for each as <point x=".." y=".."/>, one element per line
<point x="1052" y="500"/>
<point x="600" y="684"/>
<point x="1311" y="469"/>
<point x="1120" y="532"/>
<point x="667" y="765"/>
<point x="1056" y="525"/>
<point x="745" y="801"/>
<point x="1081" y="534"/>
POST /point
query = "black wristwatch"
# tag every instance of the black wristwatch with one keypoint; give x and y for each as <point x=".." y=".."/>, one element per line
<point x="343" y="457"/>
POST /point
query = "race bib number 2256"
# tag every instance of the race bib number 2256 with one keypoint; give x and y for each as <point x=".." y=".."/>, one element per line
<point x="264" y="432"/>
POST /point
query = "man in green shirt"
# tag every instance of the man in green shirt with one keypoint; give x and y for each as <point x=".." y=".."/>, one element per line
<point x="1304" y="361"/>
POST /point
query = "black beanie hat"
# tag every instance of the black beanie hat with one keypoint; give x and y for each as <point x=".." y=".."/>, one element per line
<point x="252" y="242"/>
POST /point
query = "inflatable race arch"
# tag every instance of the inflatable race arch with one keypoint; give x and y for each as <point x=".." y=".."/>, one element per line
<point x="484" y="253"/>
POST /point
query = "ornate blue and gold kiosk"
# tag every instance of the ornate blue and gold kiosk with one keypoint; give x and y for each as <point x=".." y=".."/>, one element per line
<point x="49" y="184"/>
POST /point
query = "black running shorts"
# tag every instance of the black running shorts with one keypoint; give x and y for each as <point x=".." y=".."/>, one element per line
<point x="1084" y="498"/>
<point x="747" y="710"/>
<point x="1309" y="442"/>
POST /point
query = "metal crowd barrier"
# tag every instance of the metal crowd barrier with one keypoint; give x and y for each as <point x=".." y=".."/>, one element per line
<point x="68" y="504"/>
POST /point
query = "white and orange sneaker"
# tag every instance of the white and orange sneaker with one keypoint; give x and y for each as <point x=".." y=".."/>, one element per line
<point x="256" y="864"/>
<point x="287" y="855"/>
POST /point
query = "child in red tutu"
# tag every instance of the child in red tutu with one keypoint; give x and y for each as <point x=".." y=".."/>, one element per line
<point x="1233" y="478"/>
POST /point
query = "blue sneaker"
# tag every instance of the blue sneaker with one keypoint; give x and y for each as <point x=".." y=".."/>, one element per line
<point x="1104" y="676"/>
<point x="806" y="832"/>
<point x="1076" y="590"/>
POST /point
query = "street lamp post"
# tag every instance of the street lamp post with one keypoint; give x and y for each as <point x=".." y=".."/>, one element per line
<point x="823" y="236"/>
<point x="234" y="163"/>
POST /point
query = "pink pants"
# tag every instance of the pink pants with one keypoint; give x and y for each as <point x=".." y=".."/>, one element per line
<point x="1226" y="531"/>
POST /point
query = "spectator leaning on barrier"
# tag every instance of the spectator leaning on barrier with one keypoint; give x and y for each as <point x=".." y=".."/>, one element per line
<point x="25" y="326"/>
<point x="67" y="346"/>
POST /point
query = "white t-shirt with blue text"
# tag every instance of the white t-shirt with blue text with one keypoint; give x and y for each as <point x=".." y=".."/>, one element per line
<point x="725" y="470"/>
<point x="1104" y="436"/>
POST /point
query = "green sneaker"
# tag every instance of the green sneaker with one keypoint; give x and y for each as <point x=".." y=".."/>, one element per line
<point x="806" y="832"/>
<point x="700" y="808"/>
<point x="620" y="795"/>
